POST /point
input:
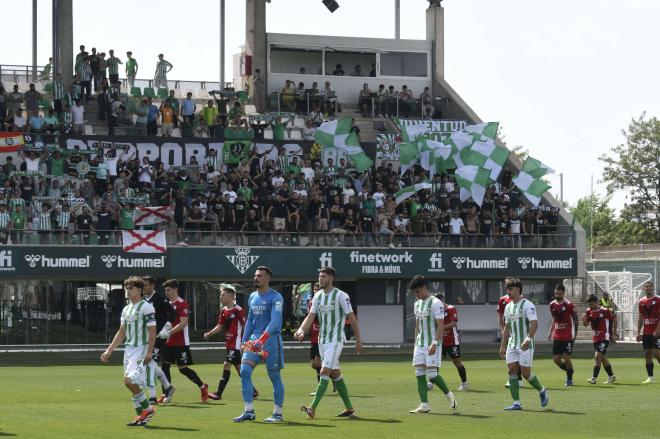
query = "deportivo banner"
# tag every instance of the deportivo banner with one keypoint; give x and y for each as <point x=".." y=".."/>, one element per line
<point x="173" y="151"/>
<point x="293" y="263"/>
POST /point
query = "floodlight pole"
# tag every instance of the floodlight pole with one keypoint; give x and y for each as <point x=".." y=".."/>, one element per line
<point x="222" y="44"/>
<point x="397" y="19"/>
<point x="34" y="40"/>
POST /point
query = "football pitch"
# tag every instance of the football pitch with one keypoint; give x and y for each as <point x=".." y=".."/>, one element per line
<point x="91" y="402"/>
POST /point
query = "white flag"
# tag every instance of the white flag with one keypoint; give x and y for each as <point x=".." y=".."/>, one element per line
<point x="144" y="241"/>
<point x="148" y="215"/>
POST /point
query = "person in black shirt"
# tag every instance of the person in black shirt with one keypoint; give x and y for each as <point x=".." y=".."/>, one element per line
<point x="312" y="213"/>
<point x="228" y="218"/>
<point x="84" y="225"/>
<point x="366" y="228"/>
<point x="278" y="213"/>
<point x="503" y="231"/>
<point x="240" y="212"/>
<point x="486" y="227"/>
<point x="350" y="225"/>
<point x="293" y="216"/>
<point x="193" y="223"/>
<point x="252" y="226"/>
<point x="105" y="224"/>
<point x="164" y="313"/>
<point x="443" y="229"/>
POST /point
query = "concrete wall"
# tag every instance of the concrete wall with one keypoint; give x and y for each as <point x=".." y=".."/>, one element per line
<point x="381" y="323"/>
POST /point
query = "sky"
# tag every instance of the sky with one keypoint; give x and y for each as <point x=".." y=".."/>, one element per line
<point x="563" y="77"/>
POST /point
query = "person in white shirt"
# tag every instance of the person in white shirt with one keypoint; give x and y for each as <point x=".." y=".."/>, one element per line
<point x="146" y="173"/>
<point x="232" y="194"/>
<point x="19" y="121"/>
<point x="379" y="196"/>
<point x="456" y="228"/>
<point x="347" y="193"/>
<point x="277" y="180"/>
<point x="112" y="162"/>
<point x="309" y="131"/>
<point x="78" y="116"/>
<point x="308" y="171"/>
<point x="514" y="228"/>
<point x="32" y="161"/>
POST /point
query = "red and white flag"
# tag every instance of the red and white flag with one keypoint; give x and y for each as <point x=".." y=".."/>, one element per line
<point x="148" y="215"/>
<point x="144" y="241"/>
<point x="11" y="142"/>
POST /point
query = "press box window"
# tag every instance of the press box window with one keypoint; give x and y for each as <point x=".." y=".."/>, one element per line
<point x="284" y="60"/>
<point x="411" y="64"/>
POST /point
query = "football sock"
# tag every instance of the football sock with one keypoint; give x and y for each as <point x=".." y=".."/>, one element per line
<point x="223" y="381"/>
<point x="438" y="381"/>
<point x="562" y="366"/>
<point x="422" y="389"/>
<point x="278" y="386"/>
<point x="514" y="387"/>
<point x="136" y="403"/>
<point x="277" y="410"/>
<point x="569" y="374"/>
<point x="191" y="375"/>
<point x="164" y="380"/>
<point x="462" y="374"/>
<point x="534" y="381"/>
<point x="649" y="369"/>
<point x="596" y="371"/>
<point x="608" y="369"/>
<point x="152" y="391"/>
<point x="320" y="390"/>
<point x="166" y="372"/>
<point x="246" y="385"/>
<point x="318" y="374"/>
<point x="343" y="392"/>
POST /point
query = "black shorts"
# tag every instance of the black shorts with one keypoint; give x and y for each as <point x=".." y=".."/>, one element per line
<point x="233" y="356"/>
<point x="114" y="78"/>
<point x="177" y="354"/>
<point x="601" y="346"/>
<point x="158" y="350"/>
<point x="649" y="341"/>
<point x="314" y="351"/>
<point x="454" y="351"/>
<point x="562" y="347"/>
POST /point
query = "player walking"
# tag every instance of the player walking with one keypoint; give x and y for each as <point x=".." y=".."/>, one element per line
<point x="429" y="322"/>
<point x="502" y="302"/>
<point x="603" y="326"/>
<point x="563" y="331"/>
<point x="138" y="331"/>
<point x="333" y="307"/>
<point x="232" y="320"/>
<point x="314" y="353"/>
<point x="262" y="342"/>
<point x="451" y="343"/>
<point x="177" y="346"/>
<point x="647" y="328"/>
<point x="164" y="316"/>
<point x="518" y="343"/>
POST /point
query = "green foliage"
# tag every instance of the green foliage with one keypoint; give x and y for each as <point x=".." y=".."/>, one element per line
<point x="634" y="167"/>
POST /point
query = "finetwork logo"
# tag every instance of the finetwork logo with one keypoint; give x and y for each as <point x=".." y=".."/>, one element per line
<point x="6" y="261"/>
<point x="242" y="260"/>
<point x="326" y="259"/>
<point x="436" y="263"/>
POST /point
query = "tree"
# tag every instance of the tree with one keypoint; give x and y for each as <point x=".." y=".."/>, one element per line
<point x="635" y="168"/>
<point x="608" y="229"/>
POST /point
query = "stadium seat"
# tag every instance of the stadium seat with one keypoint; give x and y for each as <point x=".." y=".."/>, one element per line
<point x="162" y="93"/>
<point x="149" y="92"/>
<point x="136" y="92"/>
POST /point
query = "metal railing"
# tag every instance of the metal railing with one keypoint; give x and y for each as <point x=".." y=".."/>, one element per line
<point x="202" y="234"/>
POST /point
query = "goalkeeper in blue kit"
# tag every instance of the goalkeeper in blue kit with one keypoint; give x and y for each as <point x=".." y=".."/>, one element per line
<point x="262" y="343"/>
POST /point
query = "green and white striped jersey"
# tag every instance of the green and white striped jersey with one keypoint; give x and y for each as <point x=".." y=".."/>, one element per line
<point x="136" y="318"/>
<point x="427" y="311"/>
<point x="517" y="317"/>
<point x="331" y="310"/>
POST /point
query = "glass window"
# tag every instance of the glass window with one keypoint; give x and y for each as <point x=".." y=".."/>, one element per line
<point x="351" y="63"/>
<point x="300" y="61"/>
<point x="412" y="64"/>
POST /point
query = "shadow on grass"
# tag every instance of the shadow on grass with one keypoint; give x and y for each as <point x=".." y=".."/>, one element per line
<point x="555" y="412"/>
<point x="461" y="415"/>
<point x="629" y="384"/>
<point x="378" y="421"/>
<point x="181" y="429"/>
<point x="336" y="395"/>
<point x="303" y="424"/>
<point x="2" y="433"/>
<point x="479" y="391"/>
<point x="200" y="405"/>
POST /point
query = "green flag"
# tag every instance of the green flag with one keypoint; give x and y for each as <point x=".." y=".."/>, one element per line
<point x="488" y="129"/>
<point x="338" y="134"/>
<point x="409" y="191"/>
<point x="473" y="182"/>
<point x="485" y="155"/>
<point x="536" y="168"/>
<point x="233" y="151"/>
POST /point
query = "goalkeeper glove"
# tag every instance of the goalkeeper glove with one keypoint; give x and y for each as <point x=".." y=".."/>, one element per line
<point x="259" y="343"/>
<point x="165" y="332"/>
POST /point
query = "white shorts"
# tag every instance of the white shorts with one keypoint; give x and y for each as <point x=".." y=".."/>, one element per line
<point x="142" y="375"/>
<point x="330" y="353"/>
<point x="517" y="355"/>
<point x="421" y="356"/>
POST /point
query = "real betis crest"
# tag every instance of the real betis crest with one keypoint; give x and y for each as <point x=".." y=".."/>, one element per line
<point x="242" y="260"/>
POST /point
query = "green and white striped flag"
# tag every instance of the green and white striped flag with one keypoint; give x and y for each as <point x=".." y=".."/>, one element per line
<point x="529" y="180"/>
<point x="488" y="129"/>
<point x="485" y="155"/>
<point x="409" y="191"/>
<point x="473" y="182"/>
<point x="337" y="134"/>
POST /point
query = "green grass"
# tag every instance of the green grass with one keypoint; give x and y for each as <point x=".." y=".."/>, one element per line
<point x="90" y="402"/>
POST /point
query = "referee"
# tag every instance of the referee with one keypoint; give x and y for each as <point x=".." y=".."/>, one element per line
<point x="164" y="314"/>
